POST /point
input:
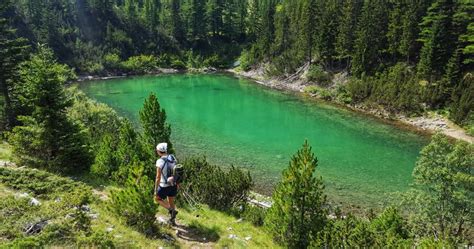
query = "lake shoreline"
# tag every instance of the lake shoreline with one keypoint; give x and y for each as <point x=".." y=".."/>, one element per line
<point x="422" y="124"/>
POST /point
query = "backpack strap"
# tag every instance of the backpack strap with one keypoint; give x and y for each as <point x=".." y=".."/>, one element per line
<point x="164" y="164"/>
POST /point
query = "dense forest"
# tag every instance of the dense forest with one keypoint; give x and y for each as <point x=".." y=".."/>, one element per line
<point x="408" y="56"/>
<point x="404" y="56"/>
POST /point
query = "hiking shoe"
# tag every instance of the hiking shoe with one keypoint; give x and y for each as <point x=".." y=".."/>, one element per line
<point x="173" y="214"/>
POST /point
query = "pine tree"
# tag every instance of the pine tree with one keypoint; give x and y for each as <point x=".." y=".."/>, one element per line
<point x="370" y="39"/>
<point x="298" y="213"/>
<point x="309" y="24"/>
<point x="461" y="109"/>
<point x="412" y="15"/>
<point x="215" y="10"/>
<point x="153" y="121"/>
<point x="177" y="28"/>
<point x="197" y="20"/>
<point x="438" y="42"/>
<point x="134" y="203"/>
<point x="130" y="150"/>
<point x="327" y="23"/>
<point x="48" y="139"/>
<point x="151" y="10"/>
<point x="11" y="54"/>
<point x="347" y="26"/>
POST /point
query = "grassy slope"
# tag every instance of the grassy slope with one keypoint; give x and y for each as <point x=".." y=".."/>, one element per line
<point x="195" y="225"/>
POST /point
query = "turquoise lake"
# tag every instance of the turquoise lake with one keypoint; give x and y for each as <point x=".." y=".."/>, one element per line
<point x="234" y="121"/>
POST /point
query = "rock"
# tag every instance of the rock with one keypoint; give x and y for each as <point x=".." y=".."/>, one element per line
<point x="248" y="238"/>
<point x="34" y="202"/>
<point x="232" y="236"/>
<point x="93" y="216"/>
<point x="57" y="199"/>
<point x="23" y="195"/>
<point x="229" y="228"/>
<point x="109" y="229"/>
<point x="35" y="228"/>
<point x="85" y="208"/>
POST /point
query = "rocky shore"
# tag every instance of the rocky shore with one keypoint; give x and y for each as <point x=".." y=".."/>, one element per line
<point x="426" y="123"/>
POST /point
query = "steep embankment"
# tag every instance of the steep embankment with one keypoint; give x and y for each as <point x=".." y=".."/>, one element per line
<point x="429" y="122"/>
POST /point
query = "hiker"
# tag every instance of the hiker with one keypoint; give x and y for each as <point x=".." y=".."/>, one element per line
<point x="165" y="186"/>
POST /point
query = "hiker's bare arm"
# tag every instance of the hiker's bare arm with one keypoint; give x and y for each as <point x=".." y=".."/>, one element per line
<point x="158" y="177"/>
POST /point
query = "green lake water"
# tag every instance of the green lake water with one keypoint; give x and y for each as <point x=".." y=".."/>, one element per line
<point x="234" y="121"/>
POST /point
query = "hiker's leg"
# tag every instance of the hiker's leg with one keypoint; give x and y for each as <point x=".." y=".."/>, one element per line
<point x="161" y="197"/>
<point x="163" y="203"/>
<point x="171" y="202"/>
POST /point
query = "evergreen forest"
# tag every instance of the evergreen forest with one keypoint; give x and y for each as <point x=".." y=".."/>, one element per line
<point x="74" y="173"/>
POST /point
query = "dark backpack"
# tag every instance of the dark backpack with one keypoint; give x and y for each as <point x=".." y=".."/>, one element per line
<point x="170" y="168"/>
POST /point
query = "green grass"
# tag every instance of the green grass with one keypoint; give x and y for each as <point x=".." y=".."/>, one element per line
<point x="199" y="228"/>
<point x="5" y="152"/>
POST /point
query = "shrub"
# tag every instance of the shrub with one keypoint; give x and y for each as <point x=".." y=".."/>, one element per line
<point x="134" y="203"/>
<point x="322" y="93"/>
<point x="253" y="214"/>
<point x="112" y="61"/>
<point x="140" y="64"/>
<point x="317" y="74"/>
<point x="178" y="64"/>
<point x="218" y="188"/>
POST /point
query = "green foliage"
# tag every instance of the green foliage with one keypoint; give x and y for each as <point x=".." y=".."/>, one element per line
<point x="12" y="52"/>
<point x="112" y="61"/>
<point x="95" y="118"/>
<point x="298" y="211"/>
<point x="220" y="189"/>
<point x="441" y="201"/>
<point x="462" y="106"/>
<point x="38" y="183"/>
<point x="153" y="121"/>
<point x="322" y="93"/>
<point x="140" y="64"/>
<point x="253" y="214"/>
<point x="134" y="203"/>
<point x="129" y="151"/>
<point x="48" y="138"/>
<point x="388" y="229"/>
<point x="317" y="74"/>
<point x="63" y="209"/>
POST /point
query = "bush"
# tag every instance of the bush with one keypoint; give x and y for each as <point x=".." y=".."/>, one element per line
<point x="112" y="61"/>
<point x="178" y="64"/>
<point x="37" y="182"/>
<point x="96" y="119"/>
<point x="218" y="188"/>
<point x="253" y="214"/>
<point x="317" y="74"/>
<point x="322" y="93"/>
<point x="134" y="204"/>
<point x="140" y="64"/>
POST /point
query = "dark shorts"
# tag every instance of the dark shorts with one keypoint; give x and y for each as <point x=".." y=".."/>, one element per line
<point x="164" y="192"/>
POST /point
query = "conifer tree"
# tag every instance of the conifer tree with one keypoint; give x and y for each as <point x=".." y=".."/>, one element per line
<point x="130" y="150"/>
<point x="298" y="213"/>
<point x="134" y="203"/>
<point x="462" y="107"/>
<point x="347" y="26"/>
<point x="11" y="54"/>
<point x="48" y="139"/>
<point x="438" y="43"/>
<point x="153" y="121"/>
<point x="197" y="20"/>
<point x="177" y="28"/>
<point x="371" y="38"/>
<point x="309" y="23"/>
